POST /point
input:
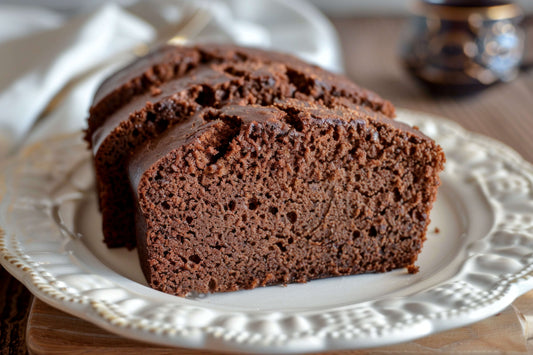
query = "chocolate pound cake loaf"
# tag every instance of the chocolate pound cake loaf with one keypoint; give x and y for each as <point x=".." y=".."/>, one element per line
<point x="245" y="195"/>
<point x="170" y="85"/>
<point x="233" y="168"/>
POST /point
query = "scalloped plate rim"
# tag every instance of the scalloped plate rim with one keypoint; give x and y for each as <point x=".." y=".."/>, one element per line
<point x="511" y="288"/>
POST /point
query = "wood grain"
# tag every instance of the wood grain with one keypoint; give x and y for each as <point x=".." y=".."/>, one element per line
<point x="15" y="302"/>
<point x="504" y="112"/>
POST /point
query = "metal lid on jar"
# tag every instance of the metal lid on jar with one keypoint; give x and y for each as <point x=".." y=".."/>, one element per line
<point x="461" y="10"/>
<point x="468" y="3"/>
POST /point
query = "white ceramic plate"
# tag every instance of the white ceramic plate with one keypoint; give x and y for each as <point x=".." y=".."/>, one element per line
<point x="479" y="262"/>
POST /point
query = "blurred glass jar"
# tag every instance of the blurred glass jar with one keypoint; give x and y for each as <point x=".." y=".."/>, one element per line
<point x="458" y="47"/>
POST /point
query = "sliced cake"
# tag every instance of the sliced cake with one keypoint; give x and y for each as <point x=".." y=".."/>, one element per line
<point x="240" y="196"/>
<point x="172" y="84"/>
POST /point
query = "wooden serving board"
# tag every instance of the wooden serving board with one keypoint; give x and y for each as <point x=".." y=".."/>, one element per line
<point x="51" y="331"/>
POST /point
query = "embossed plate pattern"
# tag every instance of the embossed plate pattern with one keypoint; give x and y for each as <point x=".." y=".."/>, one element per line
<point x="476" y="265"/>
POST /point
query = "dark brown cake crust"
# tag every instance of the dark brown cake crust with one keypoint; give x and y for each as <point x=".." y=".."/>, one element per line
<point x="170" y="85"/>
<point x="245" y="196"/>
<point x="171" y="62"/>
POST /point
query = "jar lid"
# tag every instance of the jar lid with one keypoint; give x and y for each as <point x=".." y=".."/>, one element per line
<point x="468" y="3"/>
<point x="461" y="10"/>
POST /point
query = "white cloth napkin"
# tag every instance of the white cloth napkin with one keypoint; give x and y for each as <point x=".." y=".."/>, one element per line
<point x="44" y="52"/>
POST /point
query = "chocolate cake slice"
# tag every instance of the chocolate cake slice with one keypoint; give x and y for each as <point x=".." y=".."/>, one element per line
<point x="240" y="196"/>
<point x="170" y="85"/>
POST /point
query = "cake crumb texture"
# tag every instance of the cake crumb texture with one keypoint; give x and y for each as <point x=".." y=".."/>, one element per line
<point x="232" y="168"/>
<point x="256" y="196"/>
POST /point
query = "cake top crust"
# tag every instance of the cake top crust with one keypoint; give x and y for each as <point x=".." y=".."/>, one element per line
<point x="147" y="75"/>
<point x="280" y="115"/>
<point x="202" y="54"/>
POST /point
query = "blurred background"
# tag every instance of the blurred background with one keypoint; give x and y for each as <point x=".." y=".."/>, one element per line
<point x="343" y="8"/>
<point x="348" y="8"/>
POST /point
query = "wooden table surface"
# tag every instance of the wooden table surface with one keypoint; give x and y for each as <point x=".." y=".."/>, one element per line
<point x="504" y="112"/>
